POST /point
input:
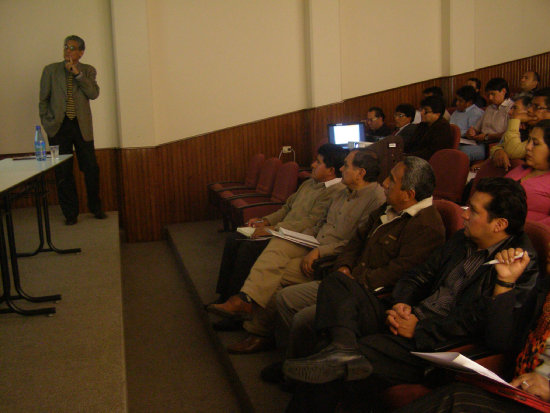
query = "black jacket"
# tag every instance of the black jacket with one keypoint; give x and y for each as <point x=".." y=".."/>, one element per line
<point x="476" y="313"/>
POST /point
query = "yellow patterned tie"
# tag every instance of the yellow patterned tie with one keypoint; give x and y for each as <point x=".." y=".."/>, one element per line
<point x="70" y="110"/>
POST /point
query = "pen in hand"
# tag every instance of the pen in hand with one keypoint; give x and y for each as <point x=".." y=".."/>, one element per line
<point x="493" y="262"/>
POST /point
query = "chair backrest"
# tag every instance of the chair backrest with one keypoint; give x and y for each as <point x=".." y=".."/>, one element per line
<point x="451" y="214"/>
<point x="455" y="130"/>
<point x="539" y="234"/>
<point x="267" y="175"/>
<point x="285" y="182"/>
<point x="388" y="151"/>
<point x="451" y="168"/>
<point x="487" y="169"/>
<point x="253" y="170"/>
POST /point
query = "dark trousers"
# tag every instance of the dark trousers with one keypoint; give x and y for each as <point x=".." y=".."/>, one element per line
<point x="239" y="255"/>
<point x="343" y="302"/>
<point x="69" y="135"/>
<point x="463" y="397"/>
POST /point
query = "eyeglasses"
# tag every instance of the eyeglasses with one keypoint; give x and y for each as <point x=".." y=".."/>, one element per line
<point x="398" y="115"/>
<point x="371" y="119"/>
<point x="426" y="111"/>
<point x="536" y="107"/>
<point x="71" y="48"/>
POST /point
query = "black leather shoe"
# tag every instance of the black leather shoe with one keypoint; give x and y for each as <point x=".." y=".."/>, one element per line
<point x="100" y="215"/>
<point x="227" y="324"/>
<point x="71" y="221"/>
<point x="273" y="373"/>
<point x="331" y="363"/>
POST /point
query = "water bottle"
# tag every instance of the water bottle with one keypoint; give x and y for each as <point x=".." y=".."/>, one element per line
<point x="39" y="145"/>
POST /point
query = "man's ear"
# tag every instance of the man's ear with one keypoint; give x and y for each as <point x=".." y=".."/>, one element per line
<point x="500" y="224"/>
<point x="332" y="171"/>
<point x="410" y="194"/>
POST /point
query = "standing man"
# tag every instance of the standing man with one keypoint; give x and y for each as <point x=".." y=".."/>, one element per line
<point x="65" y="92"/>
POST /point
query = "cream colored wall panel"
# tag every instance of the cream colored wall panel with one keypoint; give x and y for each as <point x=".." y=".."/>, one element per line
<point x="220" y="63"/>
<point x="510" y="29"/>
<point x="31" y="36"/>
<point x="388" y="43"/>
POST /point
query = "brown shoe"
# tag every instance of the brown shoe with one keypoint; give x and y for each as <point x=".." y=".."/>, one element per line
<point x="234" y="307"/>
<point x="252" y="344"/>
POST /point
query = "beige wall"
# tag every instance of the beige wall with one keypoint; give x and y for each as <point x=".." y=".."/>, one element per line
<point x="31" y="36"/>
<point x="514" y="29"/>
<point x="171" y="69"/>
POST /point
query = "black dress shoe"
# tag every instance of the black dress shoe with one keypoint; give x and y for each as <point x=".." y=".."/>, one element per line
<point x="228" y="324"/>
<point x="331" y="363"/>
<point x="71" y="221"/>
<point x="100" y="215"/>
<point x="273" y="373"/>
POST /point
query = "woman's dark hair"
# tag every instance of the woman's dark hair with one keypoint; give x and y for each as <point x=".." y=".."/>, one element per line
<point x="544" y="125"/>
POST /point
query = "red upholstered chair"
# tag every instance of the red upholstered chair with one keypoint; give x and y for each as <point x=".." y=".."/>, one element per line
<point x="539" y="234"/>
<point x="488" y="169"/>
<point x="451" y="214"/>
<point x="286" y="182"/>
<point x="455" y="130"/>
<point x="264" y="187"/>
<point x="451" y="168"/>
<point x="250" y="180"/>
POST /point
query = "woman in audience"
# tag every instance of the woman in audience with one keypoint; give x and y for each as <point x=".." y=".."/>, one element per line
<point x="535" y="174"/>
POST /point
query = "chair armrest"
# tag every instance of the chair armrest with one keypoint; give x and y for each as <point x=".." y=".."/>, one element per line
<point x="231" y="188"/>
<point x="250" y="194"/>
<point x="223" y="182"/>
<point x="243" y="207"/>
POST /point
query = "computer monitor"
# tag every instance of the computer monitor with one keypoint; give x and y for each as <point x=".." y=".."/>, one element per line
<point x="342" y="133"/>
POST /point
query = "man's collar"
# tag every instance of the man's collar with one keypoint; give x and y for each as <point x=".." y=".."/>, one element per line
<point x="506" y="103"/>
<point x="412" y="210"/>
<point x="334" y="181"/>
<point x="469" y="107"/>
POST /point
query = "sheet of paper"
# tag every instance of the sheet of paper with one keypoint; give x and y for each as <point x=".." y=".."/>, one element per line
<point x="457" y="361"/>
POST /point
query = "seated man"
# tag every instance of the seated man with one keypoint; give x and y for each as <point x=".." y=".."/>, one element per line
<point x="285" y="263"/>
<point x="433" y="133"/>
<point x="376" y="127"/>
<point x="302" y="209"/>
<point x="492" y="124"/>
<point x="529" y="84"/>
<point x="526" y="113"/>
<point x="452" y="296"/>
<point x="467" y="114"/>
<point x="403" y="117"/>
<point x="532" y="372"/>
<point x="380" y="252"/>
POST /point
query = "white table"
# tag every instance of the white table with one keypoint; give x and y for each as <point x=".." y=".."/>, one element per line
<point x="14" y="174"/>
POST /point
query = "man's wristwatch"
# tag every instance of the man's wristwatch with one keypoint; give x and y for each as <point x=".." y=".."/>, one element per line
<point x="505" y="284"/>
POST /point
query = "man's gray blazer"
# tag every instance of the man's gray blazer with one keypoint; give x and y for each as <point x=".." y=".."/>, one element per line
<point x="53" y="97"/>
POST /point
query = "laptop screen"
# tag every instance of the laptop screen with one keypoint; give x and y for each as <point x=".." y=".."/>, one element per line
<point x="342" y="133"/>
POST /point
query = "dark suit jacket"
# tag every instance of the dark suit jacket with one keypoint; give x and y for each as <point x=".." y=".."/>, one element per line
<point x="408" y="132"/>
<point x="53" y="97"/>
<point x="476" y="312"/>
<point x="428" y="139"/>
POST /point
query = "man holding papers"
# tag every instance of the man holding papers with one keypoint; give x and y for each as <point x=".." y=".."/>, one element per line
<point x="452" y="296"/>
<point x="285" y="263"/>
<point x="301" y="210"/>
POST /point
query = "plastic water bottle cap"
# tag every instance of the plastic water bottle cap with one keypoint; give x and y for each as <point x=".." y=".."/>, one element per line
<point x="37" y="127"/>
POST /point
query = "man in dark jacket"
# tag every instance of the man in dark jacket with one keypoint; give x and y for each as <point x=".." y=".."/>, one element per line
<point x="454" y="295"/>
<point x="433" y="133"/>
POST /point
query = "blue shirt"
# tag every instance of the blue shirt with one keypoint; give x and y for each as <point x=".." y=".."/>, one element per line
<point x="464" y="120"/>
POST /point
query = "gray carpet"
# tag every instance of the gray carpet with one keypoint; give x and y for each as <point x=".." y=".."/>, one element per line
<point x="74" y="360"/>
<point x="198" y="247"/>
